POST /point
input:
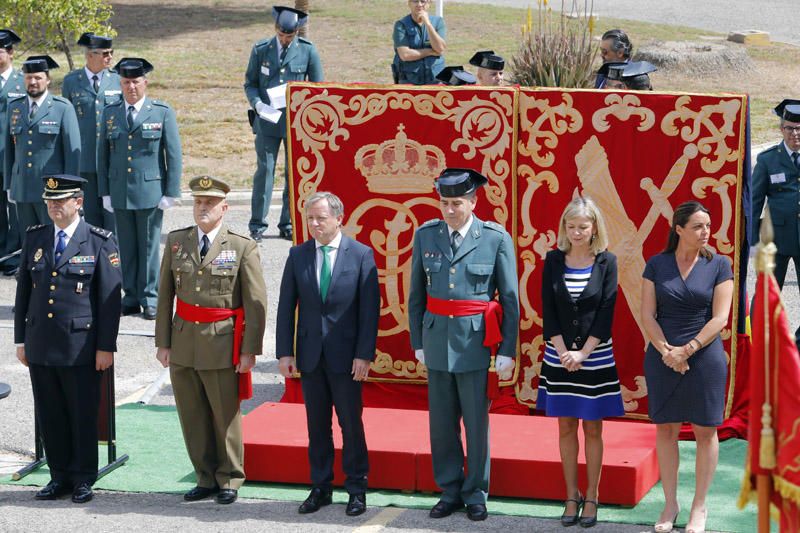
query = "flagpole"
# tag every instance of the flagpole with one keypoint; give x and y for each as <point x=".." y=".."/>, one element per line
<point x="765" y="265"/>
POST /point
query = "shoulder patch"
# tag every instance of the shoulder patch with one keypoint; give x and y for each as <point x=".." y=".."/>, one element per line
<point x="104" y="233"/>
<point x="430" y="223"/>
<point x="36" y="227"/>
<point x="493" y="225"/>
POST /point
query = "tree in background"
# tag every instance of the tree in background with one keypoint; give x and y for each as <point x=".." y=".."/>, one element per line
<point x="46" y="25"/>
<point x="556" y="53"/>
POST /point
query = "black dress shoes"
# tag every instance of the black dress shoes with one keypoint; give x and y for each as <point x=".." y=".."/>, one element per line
<point x="53" y="490"/>
<point x="257" y="236"/>
<point x="318" y="498"/>
<point x="199" y="493"/>
<point x="357" y="505"/>
<point x="286" y="233"/>
<point x="149" y="313"/>
<point x="227" y="496"/>
<point x="443" y="509"/>
<point x="82" y="493"/>
<point x="477" y="512"/>
<point x="128" y="310"/>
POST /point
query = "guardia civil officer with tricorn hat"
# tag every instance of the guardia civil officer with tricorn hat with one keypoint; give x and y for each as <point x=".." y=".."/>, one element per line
<point x="274" y="62"/>
<point x="211" y="277"/>
<point x="65" y="326"/>
<point x="490" y="67"/>
<point x="42" y="138"/>
<point x="139" y="165"/>
<point x="463" y="312"/>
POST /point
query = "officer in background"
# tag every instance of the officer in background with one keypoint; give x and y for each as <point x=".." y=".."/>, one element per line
<point x="12" y="85"/>
<point x="273" y="62"/>
<point x="215" y="275"/>
<point x="455" y="76"/>
<point x="490" y="67"/>
<point x="419" y="45"/>
<point x="65" y="327"/>
<point x="631" y="76"/>
<point x="139" y="166"/>
<point x="457" y="266"/>
<point x="91" y="89"/>
<point x="777" y="177"/>
<point x="42" y="138"/>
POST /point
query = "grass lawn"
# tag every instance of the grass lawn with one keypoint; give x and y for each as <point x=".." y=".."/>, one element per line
<point x="200" y="51"/>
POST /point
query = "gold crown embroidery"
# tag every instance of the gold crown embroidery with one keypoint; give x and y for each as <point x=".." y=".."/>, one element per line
<point x="205" y="183"/>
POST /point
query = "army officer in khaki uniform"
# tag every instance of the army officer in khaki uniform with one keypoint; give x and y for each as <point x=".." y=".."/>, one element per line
<point x="214" y="275"/>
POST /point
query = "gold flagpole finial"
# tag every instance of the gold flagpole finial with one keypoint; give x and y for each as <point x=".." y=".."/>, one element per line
<point x="766" y="249"/>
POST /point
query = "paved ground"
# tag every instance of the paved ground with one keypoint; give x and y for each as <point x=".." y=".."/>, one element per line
<point x="721" y="16"/>
<point x="136" y="369"/>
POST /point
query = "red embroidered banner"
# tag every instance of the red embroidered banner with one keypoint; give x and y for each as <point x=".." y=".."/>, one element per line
<point x="637" y="154"/>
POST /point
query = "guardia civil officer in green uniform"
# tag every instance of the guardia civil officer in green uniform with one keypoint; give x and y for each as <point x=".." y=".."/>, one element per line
<point x="455" y="76"/>
<point x="91" y="89"/>
<point x="214" y="277"/>
<point x="139" y="166"/>
<point x="12" y="85"/>
<point x="273" y="62"/>
<point x="42" y="138"/>
<point x="490" y="68"/>
<point x="458" y="266"/>
<point x="65" y="327"/>
<point x="419" y="45"/>
<point x="777" y="177"/>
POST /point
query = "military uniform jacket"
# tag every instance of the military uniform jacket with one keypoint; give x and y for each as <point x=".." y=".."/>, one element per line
<point x="138" y="166"/>
<point x="483" y="265"/>
<point x="409" y="33"/>
<point x="68" y="310"/>
<point x="14" y="88"/>
<point x="264" y="71"/>
<point x="89" y="105"/>
<point x="230" y="276"/>
<point x="48" y="144"/>
<point x="775" y="177"/>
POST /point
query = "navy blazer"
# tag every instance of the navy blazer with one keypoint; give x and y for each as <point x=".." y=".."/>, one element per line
<point x="591" y="314"/>
<point x="342" y="328"/>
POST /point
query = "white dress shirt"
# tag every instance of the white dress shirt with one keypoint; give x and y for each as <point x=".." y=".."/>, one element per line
<point x="39" y="101"/>
<point x="334" y="244"/>
<point x="69" y="230"/>
<point x="463" y="230"/>
<point x="6" y="75"/>
<point x="136" y="107"/>
<point x="211" y="236"/>
<point x="99" y="75"/>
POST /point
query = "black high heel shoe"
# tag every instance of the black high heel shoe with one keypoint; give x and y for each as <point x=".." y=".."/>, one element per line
<point x="589" y="521"/>
<point x="572" y="519"/>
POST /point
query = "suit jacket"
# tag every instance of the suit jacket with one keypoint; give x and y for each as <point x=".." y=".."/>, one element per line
<point x="264" y="71"/>
<point x="67" y="310"/>
<point x="345" y="326"/>
<point x="483" y="265"/>
<point x="89" y="105"/>
<point x="14" y="88"/>
<point x="775" y="177"/>
<point x="137" y="166"/>
<point x="230" y="276"/>
<point x="591" y="314"/>
<point x="50" y="143"/>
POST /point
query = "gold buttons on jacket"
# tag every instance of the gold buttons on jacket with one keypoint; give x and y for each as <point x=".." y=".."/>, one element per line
<point x="52" y="287"/>
<point x="452" y="286"/>
<point x="50" y="301"/>
<point x="49" y="315"/>
<point x="54" y="274"/>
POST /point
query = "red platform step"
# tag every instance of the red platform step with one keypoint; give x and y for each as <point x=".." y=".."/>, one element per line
<point x="524" y="451"/>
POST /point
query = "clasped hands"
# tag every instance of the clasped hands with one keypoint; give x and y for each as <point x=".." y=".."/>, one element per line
<point x="573" y="359"/>
<point x="676" y="357"/>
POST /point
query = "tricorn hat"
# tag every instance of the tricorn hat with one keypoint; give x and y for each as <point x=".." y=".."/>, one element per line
<point x="488" y="59"/>
<point x="38" y="64"/>
<point x="132" y="67"/>
<point x="456" y="76"/>
<point x="288" y="19"/>
<point x="455" y="182"/>
<point x="93" y="42"/>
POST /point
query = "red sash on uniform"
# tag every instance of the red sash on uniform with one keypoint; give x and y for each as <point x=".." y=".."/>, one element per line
<point x="492" y="316"/>
<point x="192" y="313"/>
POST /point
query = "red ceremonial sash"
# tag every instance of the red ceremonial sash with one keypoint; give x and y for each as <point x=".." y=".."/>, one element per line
<point x="492" y="315"/>
<point x="194" y="313"/>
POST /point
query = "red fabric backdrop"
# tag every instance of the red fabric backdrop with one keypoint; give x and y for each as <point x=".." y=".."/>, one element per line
<point x="637" y="154"/>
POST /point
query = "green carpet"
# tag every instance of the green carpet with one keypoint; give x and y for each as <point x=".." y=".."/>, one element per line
<point x="158" y="463"/>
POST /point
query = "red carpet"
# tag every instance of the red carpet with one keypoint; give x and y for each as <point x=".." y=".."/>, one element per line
<point x="524" y="450"/>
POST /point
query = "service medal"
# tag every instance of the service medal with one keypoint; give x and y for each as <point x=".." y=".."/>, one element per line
<point x="37" y="255"/>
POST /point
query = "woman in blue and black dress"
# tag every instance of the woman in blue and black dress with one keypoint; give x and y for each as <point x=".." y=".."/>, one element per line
<point x="686" y="298"/>
<point x="579" y="377"/>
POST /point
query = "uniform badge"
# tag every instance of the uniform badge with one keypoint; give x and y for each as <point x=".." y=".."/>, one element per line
<point x="151" y="126"/>
<point x="113" y="258"/>
<point x="82" y="260"/>
<point x="225" y="259"/>
<point x="205" y="183"/>
<point x="37" y="255"/>
<point x="52" y="183"/>
<point x="79" y="287"/>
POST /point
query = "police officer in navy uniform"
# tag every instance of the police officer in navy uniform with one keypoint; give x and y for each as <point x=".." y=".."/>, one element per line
<point x="91" y="89"/>
<point x="42" y="138"/>
<point x="12" y="85"/>
<point x="65" y="327"/>
<point x="460" y="262"/>
<point x="273" y="62"/>
<point x="777" y="177"/>
<point x="490" y="67"/>
<point x="139" y="165"/>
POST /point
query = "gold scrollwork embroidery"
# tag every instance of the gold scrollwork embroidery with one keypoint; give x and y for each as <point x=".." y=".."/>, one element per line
<point x="720" y="187"/>
<point x="623" y="107"/>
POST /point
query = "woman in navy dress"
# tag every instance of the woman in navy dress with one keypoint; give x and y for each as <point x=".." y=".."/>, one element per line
<point x="686" y="299"/>
<point x="579" y="378"/>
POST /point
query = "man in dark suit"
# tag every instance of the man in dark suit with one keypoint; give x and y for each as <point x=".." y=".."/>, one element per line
<point x="65" y="327"/>
<point x="777" y="177"/>
<point x="332" y="283"/>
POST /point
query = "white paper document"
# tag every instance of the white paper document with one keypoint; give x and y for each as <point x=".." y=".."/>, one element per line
<point x="277" y="96"/>
<point x="270" y="114"/>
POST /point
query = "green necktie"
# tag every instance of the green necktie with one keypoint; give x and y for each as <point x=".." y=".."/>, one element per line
<point x="325" y="272"/>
